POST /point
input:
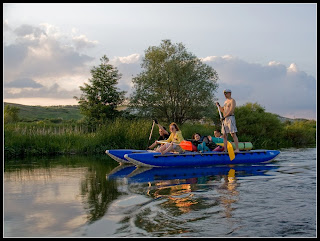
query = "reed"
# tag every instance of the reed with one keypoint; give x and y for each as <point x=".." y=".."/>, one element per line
<point x="40" y="138"/>
<point x="23" y="139"/>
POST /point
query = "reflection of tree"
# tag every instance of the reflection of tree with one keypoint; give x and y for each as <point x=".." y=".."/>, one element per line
<point x="84" y="175"/>
<point x="97" y="192"/>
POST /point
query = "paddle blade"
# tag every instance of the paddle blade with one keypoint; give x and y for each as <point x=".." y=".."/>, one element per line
<point x="230" y="151"/>
<point x="186" y="145"/>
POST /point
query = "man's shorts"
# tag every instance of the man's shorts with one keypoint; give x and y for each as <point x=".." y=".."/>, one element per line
<point x="229" y="124"/>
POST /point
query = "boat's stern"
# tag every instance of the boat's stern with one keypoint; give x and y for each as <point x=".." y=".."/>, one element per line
<point x="118" y="155"/>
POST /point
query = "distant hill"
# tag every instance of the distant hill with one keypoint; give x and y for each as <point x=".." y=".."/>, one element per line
<point x="284" y="119"/>
<point x="68" y="112"/>
<point x="33" y="113"/>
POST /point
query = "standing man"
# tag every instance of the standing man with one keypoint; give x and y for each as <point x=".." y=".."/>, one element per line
<point x="229" y="121"/>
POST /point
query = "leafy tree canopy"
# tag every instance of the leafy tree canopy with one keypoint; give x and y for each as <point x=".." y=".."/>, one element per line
<point x="256" y="125"/>
<point x="101" y="97"/>
<point x="174" y="85"/>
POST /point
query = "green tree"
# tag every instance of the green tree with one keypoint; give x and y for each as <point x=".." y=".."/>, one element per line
<point x="11" y="114"/>
<point x="301" y="133"/>
<point x="101" y="97"/>
<point x="261" y="128"/>
<point x="174" y="85"/>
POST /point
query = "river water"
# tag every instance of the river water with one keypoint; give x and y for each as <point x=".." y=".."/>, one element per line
<point x="80" y="196"/>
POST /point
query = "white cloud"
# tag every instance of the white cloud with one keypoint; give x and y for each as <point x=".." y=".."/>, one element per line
<point x="218" y="58"/>
<point x="24" y="83"/>
<point x="45" y="57"/>
<point x="82" y="42"/>
<point x="209" y="58"/>
<point x="293" y="68"/>
<point x="228" y="57"/>
<point x="286" y="91"/>
<point x="272" y="63"/>
<point x="129" y="67"/>
<point x="54" y="91"/>
<point x="280" y="89"/>
<point x="51" y="30"/>
<point x="131" y="59"/>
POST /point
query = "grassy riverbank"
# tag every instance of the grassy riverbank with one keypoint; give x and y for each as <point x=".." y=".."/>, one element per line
<point x="46" y="138"/>
<point x="49" y="139"/>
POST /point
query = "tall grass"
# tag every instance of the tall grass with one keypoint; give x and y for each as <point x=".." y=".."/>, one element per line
<point x="50" y="139"/>
<point x="41" y="138"/>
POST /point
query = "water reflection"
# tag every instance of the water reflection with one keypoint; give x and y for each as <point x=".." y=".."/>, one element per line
<point x="56" y="196"/>
<point x="71" y="196"/>
<point x="93" y="196"/>
<point x="178" y="197"/>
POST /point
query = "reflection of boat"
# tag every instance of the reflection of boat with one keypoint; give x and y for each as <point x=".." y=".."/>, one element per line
<point x="169" y="173"/>
<point x="155" y="159"/>
<point x="120" y="171"/>
<point x="146" y="174"/>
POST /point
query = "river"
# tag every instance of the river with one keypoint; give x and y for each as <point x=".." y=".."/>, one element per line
<point x="86" y="196"/>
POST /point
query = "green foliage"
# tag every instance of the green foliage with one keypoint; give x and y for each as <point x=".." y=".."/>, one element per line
<point x="56" y="136"/>
<point x="256" y="125"/>
<point x="301" y="133"/>
<point x="101" y="97"/>
<point x="174" y="86"/>
<point x="48" y="138"/>
<point x="265" y="130"/>
<point x="11" y="114"/>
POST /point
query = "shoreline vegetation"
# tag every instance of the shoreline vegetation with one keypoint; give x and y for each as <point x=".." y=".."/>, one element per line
<point x="57" y="136"/>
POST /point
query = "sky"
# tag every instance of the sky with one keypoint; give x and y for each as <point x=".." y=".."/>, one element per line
<point x="264" y="53"/>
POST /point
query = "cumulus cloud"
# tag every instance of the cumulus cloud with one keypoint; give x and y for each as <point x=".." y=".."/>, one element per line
<point x="293" y="68"/>
<point x="286" y="91"/>
<point x="29" y="31"/>
<point x="129" y="67"/>
<point x="271" y="63"/>
<point x="44" y="59"/>
<point x="280" y="89"/>
<point x="24" y="83"/>
<point x="41" y="61"/>
<point x="131" y="59"/>
<point x="82" y="42"/>
<point x="54" y="91"/>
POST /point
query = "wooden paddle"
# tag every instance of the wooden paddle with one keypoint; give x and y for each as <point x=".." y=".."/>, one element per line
<point x="229" y="145"/>
<point x="150" y="134"/>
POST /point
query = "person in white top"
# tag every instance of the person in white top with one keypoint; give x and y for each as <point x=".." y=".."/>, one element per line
<point x="229" y="121"/>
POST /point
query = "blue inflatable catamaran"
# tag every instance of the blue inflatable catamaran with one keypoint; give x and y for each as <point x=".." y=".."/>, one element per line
<point x="155" y="159"/>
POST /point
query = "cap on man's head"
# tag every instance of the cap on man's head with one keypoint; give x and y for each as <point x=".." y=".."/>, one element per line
<point x="227" y="91"/>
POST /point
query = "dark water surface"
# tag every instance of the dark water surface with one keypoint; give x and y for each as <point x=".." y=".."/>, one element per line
<point x="80" y="196"/>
